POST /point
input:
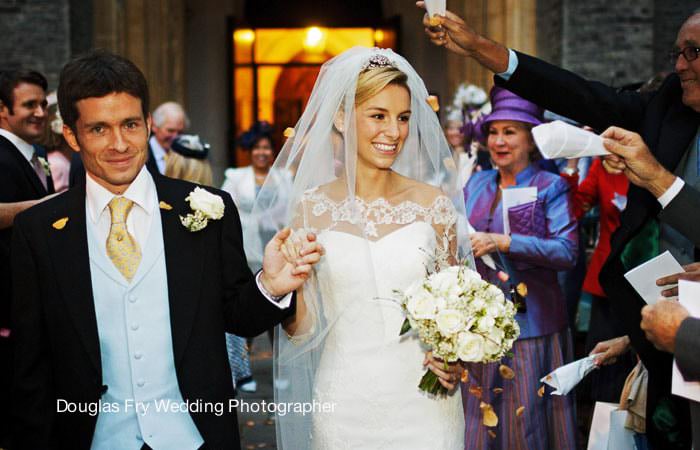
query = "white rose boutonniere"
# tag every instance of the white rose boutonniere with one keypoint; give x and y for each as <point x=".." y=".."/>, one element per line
<point x="206" y="207"/>
<point x="44" y="165"/>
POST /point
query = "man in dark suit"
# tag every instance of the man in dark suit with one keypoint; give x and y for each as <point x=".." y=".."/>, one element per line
<point x="668" y="122"/>
<point x="23" y="179"/>
<point x="124" y="290"/>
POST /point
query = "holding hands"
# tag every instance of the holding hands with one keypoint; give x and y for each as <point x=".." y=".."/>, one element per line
<point x="288" y="261"/>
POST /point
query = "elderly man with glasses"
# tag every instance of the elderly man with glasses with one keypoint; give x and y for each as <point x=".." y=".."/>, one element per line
<point x="668" y="122"/>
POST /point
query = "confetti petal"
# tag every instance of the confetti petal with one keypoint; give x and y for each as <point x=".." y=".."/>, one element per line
<point x="5" y="332"/>
<point x="503" y="276"/>
<point x="165" y="206"/>
<point x="492" y="434"/>
<point x="497" y="391"/>
<point x="506" y="372"/>
<point x="435" y="21"/>
<point x="519" y="412"/>
<point x="475" y="391"/>
<point x="433" y="102"/>
<point x="288" y="132"/>
<point x="490" y="419"/>
<point x="250" y="423"/>
<point x="60" y="223"/>
<point x="548" y="378"/>
<point x="465" y="376"/>
<point x="540" y="391"/>
<point x="521" y="288"/>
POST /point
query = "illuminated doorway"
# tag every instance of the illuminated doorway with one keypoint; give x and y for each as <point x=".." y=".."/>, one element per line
<point x="274" y="71"/>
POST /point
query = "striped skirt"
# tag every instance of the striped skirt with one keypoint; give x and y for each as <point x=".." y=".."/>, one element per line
<point x="546" y="422"/>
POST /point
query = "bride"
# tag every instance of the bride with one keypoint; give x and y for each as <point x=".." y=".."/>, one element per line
<point x="367" y="152"/>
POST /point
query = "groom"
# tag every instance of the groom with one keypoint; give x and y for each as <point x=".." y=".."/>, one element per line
<point x="119" y="310"/>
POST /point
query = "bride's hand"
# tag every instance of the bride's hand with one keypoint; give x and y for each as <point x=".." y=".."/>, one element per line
<point x="292" y="245"/>
<point x="449" y="377"/>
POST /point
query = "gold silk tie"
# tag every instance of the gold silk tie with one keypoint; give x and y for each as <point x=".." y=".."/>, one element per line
<point x="122" y="248"/>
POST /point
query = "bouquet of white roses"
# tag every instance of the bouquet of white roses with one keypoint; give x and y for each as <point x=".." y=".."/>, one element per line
<point x="460" y="317"/>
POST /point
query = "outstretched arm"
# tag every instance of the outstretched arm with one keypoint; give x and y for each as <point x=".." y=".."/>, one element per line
<point x="454" y="34"/>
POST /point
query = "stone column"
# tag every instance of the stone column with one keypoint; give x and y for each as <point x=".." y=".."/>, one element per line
<point x="511" y="22"/>
<point x="151" y="33"/>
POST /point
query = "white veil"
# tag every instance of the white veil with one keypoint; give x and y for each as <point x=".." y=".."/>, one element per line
<point x="322" y="154"/>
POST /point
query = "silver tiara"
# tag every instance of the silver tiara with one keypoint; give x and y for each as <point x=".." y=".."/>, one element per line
<point x="375" y="61"/>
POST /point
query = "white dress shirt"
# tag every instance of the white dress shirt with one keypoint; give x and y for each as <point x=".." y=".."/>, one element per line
<point x="24" y="147"/>
<point x="142" y="192"/>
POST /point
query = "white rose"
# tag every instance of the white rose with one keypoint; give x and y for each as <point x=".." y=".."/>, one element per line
<point x="422" y="306"/>
<point x="445" y="282"/>
<point x="494" y="293"/>
<point x="495" y="309"/>
<point x="491" y="347"/>
<point x="449" y="321"/>
<point x="470" y="347"/>
<point x="486" y="324"/>
<point x="477" y="303"/>
<point x="202" y="200"/>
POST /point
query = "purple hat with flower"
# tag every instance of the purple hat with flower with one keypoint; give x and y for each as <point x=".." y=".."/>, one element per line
<point x="505" y="105"/>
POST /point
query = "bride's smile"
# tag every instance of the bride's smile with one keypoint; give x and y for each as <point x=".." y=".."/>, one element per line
<point x="382" y="126"/>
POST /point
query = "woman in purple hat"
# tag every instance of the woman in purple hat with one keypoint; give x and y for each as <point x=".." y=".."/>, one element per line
<point x="538" y="240"/>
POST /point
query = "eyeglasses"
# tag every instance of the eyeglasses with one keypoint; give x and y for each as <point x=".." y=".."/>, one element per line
<point x="689" y="53"/>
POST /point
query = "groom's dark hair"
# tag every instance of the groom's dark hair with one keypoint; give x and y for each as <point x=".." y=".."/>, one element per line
<point x="97" y="74"/>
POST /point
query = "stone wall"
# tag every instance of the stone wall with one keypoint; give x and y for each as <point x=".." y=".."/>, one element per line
<point x="618" y="42"/>
<point x="36" y="35"/>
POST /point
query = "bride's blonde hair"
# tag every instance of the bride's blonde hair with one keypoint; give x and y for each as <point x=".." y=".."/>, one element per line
<point x="371" y="81"/>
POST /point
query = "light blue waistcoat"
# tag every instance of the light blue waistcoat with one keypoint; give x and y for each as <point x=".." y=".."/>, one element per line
<point x="136" y="348"/>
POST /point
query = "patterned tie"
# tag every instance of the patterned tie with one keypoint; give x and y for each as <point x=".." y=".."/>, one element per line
<point x="39" y="169"/>
<point x="122" y="248"/>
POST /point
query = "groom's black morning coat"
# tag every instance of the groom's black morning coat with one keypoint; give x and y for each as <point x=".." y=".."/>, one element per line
<point x="57" y="353"/>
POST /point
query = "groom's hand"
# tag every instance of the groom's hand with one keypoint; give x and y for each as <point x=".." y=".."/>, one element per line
<point x="285" y="271"/>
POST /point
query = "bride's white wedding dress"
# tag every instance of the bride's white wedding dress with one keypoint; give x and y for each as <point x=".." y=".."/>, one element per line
<point x="366" y="371"/>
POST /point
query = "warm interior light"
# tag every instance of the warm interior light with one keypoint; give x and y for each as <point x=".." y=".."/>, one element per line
<point x="244" y="36"/>
<point x="378" y="36"/>
<point x="315" y="40"/>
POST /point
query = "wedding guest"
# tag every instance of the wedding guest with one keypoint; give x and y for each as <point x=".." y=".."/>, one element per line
<point x="464" y="155"/>
<point x="23" y="178"/>
<point x="542" y="241"/>
<point x="244" y="184"/>
<point x="169" y="121"/>
<point x="609" y="192"/>
<point x="668" y="121"/>
<point x="59" y="153"/>
<point x="187" y="160"/>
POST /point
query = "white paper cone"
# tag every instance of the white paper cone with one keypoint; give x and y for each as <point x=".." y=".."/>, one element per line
<point x="561" y="140"/>
<point x="434" y="7"/>
<point x="566" y="377"/>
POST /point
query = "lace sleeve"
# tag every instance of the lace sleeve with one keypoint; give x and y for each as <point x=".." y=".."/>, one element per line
<point x="444" y="222"/>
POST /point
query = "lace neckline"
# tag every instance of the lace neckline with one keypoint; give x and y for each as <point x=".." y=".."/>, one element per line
<point x="370" y="214"/>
